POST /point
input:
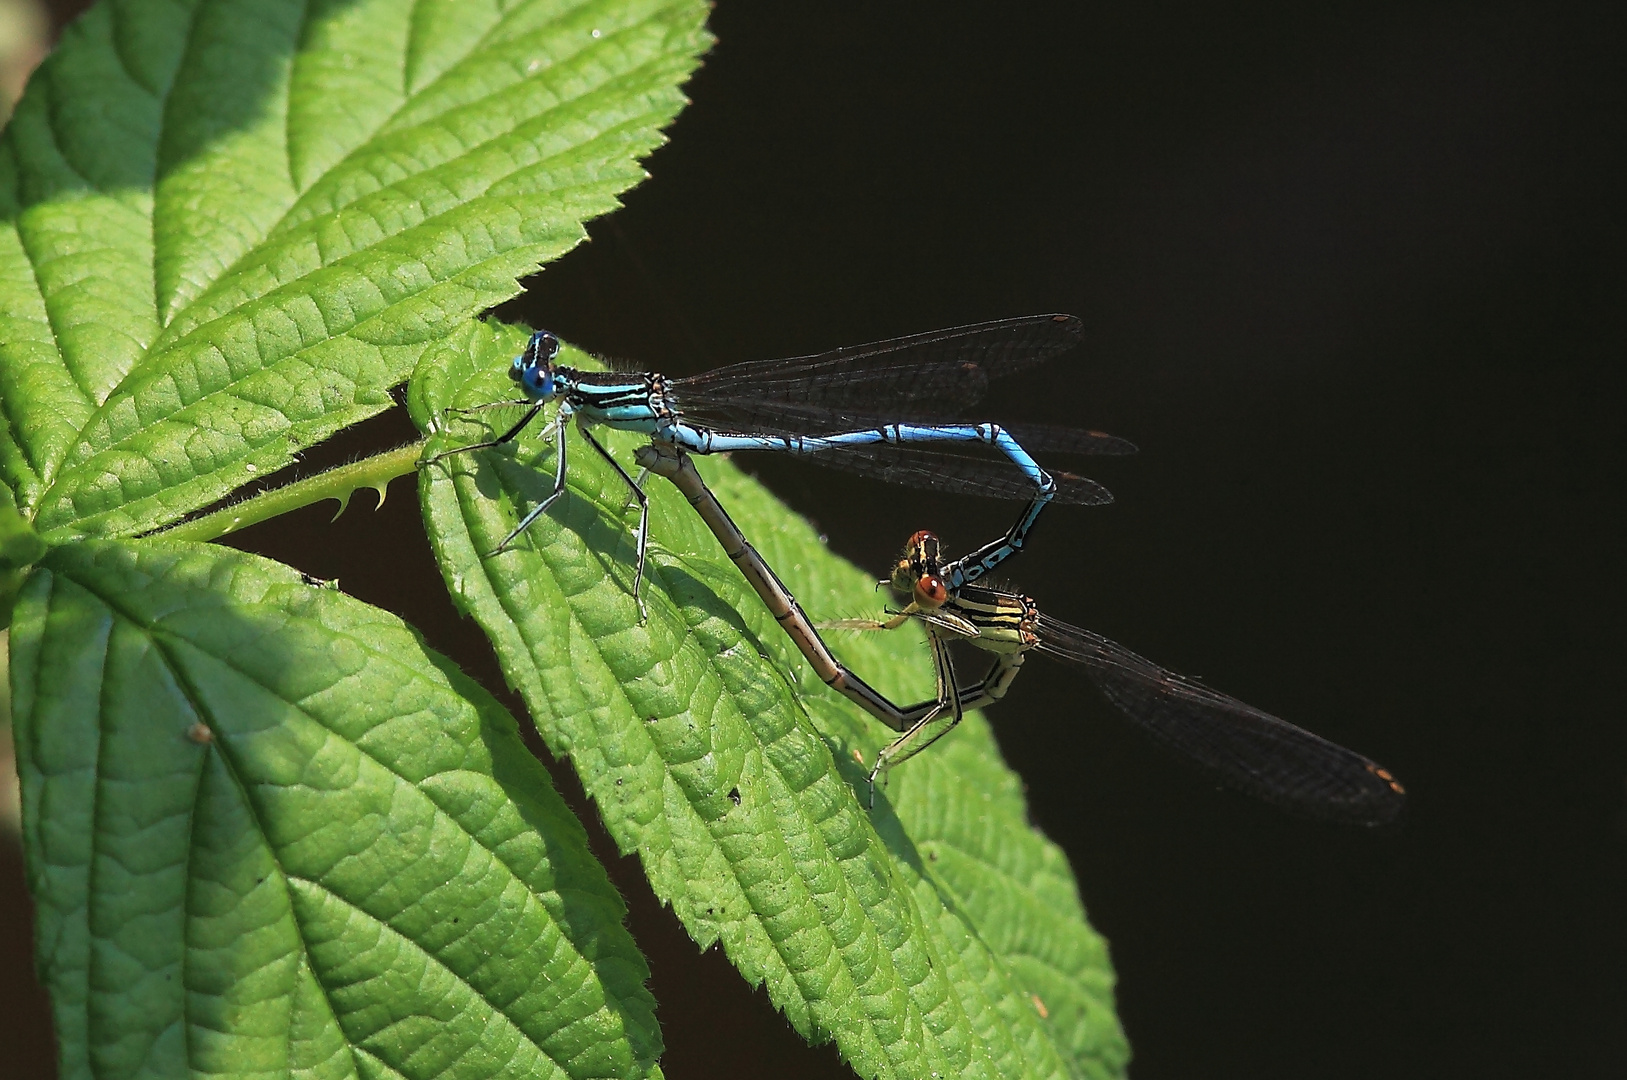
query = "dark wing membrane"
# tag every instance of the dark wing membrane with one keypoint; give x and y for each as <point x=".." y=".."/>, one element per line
<point x="938" y="373"/>
<point x="1054" y="439"/>
<point x="761" y="416"/>
<point x="1251" y="750"/>
<point x="957" y="474"/>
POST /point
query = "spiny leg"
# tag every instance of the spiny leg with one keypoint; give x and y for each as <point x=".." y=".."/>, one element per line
<point x="470" y="410"/>
<point x="641" y="538"/>
<point x="560" y="423"/>
<point x="638" y="484"/>
<point x="905" y="746"/>
<point x="530" y="414"/>
<point x="899" y="618"/>
<point x="948" y="691"/>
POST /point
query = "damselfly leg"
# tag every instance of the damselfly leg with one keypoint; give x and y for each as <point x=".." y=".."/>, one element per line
<point x="640" y="538"/>
<point x="532" y="408"/>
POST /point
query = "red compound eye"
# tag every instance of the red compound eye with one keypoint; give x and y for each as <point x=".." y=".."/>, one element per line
<point x="923" y="551"/>
<point x="930" y="591"/>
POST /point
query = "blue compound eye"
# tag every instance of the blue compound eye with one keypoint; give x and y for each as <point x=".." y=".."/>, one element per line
<point x="534" y="368"/>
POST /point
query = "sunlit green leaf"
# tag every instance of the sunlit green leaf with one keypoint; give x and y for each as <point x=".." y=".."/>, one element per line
<point x="228" y="227"/>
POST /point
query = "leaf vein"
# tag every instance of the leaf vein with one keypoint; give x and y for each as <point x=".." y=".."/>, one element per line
<point x="161" y="639"/>
<point x="91" y="875"/>
<point x="287" y="122"/>
<point x="154" y="240"/>
<point x="474" y="106"/>
<point x="85" y="393"/>
<point x="427" y="957"/>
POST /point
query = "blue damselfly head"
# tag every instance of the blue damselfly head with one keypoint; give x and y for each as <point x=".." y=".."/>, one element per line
<point x="533" y="369"/>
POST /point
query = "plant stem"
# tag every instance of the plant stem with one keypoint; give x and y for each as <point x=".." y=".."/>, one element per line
<point x="374" y="472"/>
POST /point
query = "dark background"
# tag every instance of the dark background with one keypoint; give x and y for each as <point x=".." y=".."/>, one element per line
<point x="1352" y="277"/>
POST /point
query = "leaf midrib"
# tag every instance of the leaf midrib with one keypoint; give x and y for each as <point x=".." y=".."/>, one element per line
<point x="182" y="415"/>
<point x="164" y="343"/>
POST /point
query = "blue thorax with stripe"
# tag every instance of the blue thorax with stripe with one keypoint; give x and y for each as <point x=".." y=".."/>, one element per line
<point x="617" y="399"/>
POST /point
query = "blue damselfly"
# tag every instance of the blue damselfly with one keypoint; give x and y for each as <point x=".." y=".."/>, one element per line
<point x="871" y="409"/>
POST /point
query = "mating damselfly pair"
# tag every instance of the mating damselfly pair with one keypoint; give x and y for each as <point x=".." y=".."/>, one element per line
<point x="892" y="410"/>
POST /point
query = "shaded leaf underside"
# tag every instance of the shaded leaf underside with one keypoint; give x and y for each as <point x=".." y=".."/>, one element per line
<point x="269" y="832"/>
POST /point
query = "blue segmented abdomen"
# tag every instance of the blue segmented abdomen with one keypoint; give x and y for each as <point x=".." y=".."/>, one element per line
<point x="706" y="441"/>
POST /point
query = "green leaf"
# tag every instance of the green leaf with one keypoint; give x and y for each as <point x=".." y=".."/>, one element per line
<point x="20" y="545"/>
<point x="228" y="227"/>
<point x="940" y="935"/>
<point x="269" y="832"/>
